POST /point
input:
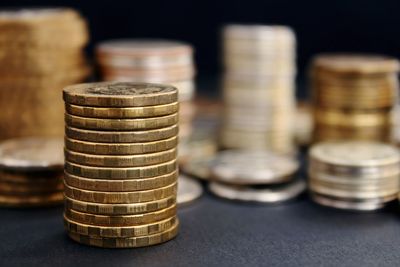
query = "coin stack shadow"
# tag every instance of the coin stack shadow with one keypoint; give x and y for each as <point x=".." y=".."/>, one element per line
<point x="153" y="61"/>
<point x="121" y="163"/>
<point x="355" y="175"/>
<point x="258" y="88"/>
<point x="353" y="97"/>
<point x="31" y="171"/>
<point x="41" y="50"/>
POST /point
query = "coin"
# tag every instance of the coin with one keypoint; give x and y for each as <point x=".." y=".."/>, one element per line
<point x="120" y="94"/>
<point x="38" y="153"/>
<point x="120" y="148"/>
<point x="139" y="160"/>
<point x="252" y="167"/>
<point x="120" y="173"/>
<point x="264" y="194"/>
<point x="31" y="201"/>
<point x="121" y="137"/>
<point x="119" y="209"/>
<point x="37" y="177"/>
<point x="29" y="189"/>
<point x="118" y="231"/>
<point x="120" y="197"/>
<point x="188" y="190"/>
<point x="121" y="185"/>
<point x="109" y="242"/>
<point x="122" y="113"/>
<point x="121" y="124"/>
<point x="198" y="168"/>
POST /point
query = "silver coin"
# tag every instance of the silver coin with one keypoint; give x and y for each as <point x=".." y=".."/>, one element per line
<point x="188" y="190"/>
<point x="198" y="168"/>
<point x="271" y="194"/>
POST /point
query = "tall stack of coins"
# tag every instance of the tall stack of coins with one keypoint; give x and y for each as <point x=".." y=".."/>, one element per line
<point x="354" y="97"/>
<point x="41" y="51"/>
<point x="31" y="171"/>
<point x="153" y="61"/>
<point x="357" y="175"/>
<point x="257" y="176"/>
<point x="121" y="163"/>
<point x="259" y="92"/>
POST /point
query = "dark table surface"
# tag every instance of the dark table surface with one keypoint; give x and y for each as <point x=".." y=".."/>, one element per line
<point x="215" y="232"/>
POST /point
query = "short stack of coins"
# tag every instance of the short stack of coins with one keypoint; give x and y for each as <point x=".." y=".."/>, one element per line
<point x="153" y="61"/>
<point x="258" y="89"/>
<point x="121" y="163"/>
<point x="355" y="175"/>
<point x="255" y="176"/>
<point x="353" y="97"/>
<point x="31" y="171"/>
<point x="41" y="51"/>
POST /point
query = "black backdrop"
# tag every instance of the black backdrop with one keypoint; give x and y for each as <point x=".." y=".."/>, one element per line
<point x="321" y="26"/>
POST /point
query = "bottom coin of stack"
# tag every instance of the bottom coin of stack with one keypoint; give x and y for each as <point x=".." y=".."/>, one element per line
<point x="257" y="176"/>
<point x="121" y="166"/>
<point x="31" y="171"/>
<point x="354" y="175"/>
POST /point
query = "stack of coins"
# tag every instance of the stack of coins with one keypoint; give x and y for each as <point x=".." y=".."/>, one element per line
<point x="41" y="51"/>
<point x="258" y="90"/>
<point x="257" y="176"/>
<point x="356" y="175"/>
<point x="354" y="97"/>
<point x="121" y="163"/>
<point x="153" y="61"/>
<point x="31" y="171"/>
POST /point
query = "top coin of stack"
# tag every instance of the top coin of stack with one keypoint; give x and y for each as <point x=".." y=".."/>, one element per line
<point x="354" y="96"/>
<point x="357" y="175"/>
<point x="259" y="93"/>
<point x="40" y="50"/>
<point x="31" y="171"/>
<point x="121" y="163"/>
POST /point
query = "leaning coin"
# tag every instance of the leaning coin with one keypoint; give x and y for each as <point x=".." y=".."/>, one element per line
<point x="118" y="231"/>
<point x="121" y="137"/>
<point x="120" y="173"/>
<point x="119" y="209"/>
<point x="265" y="194"/>
<point x="130" y="242"/>
<point x="139" y="160"/>
<point x="120" y="148"/>
<point x="35" y="153"/>
<point x="122" y="113"/>
<point x="120" y="197"/>
<point x="121" y="124"/>
<point x="188" y="190"/>
<point x="120" y="185"/>
<point x="120" y="94"/>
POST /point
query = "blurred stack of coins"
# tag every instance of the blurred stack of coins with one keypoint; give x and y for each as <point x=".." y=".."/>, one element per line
<point x="31" y="171"/>
<point x="356" y="175"/>
<point x="354" y="97"/>
<point x="153" y="61"/>
<point x="259" y="92"/>
<point x="121" y="163"/>
<point x="257" y="176"/>
<point x="41" y="51"/>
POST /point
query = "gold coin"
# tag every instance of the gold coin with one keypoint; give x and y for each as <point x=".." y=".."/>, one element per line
<point x="139" y="160"/>
<point x="118" y="231"/>
<point x="120" y="173"/>
<point x="130" y="242"/>
<point x="31" y="201"/>
<point x="120" y="197"/>
<point x="351" y="119"/>
<point x="122" y="113"/>
<point x="121" y="137"/>
<point x="120" y="148"/>
<point x="120" y="94"/>
<point x="121" y="124"/>
<point x="121" y="220"/>
<point x="35" y="153"/>
<point x="120" y="209"/>
<point x="121" y="185"/>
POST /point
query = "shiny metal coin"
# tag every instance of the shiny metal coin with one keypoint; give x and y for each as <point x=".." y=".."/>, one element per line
<point x="188" y="190"/>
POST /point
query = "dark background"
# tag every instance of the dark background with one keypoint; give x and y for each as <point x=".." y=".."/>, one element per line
<point x="321" y="26"/>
